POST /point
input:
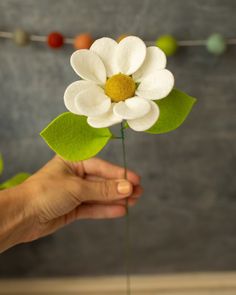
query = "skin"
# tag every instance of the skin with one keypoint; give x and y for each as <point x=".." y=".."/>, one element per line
<point x="61" y="193"/>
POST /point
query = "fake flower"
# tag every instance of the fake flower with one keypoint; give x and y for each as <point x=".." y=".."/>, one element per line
<point x="120" y="82"/>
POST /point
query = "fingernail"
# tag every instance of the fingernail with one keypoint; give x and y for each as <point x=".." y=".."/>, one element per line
<point x="124" y="187"/>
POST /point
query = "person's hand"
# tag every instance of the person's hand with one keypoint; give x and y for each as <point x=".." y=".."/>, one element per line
<point x="62" y="192"/>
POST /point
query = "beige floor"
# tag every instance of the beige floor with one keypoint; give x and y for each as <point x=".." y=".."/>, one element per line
<point x="181" y="284"/>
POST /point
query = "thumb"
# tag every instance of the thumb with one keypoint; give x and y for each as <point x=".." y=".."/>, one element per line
<point x="107" y="190"/>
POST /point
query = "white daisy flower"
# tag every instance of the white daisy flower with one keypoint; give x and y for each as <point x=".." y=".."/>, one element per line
<point x="120" y="82"/>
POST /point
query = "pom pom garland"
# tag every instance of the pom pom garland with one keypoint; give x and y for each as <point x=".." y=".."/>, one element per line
<point x="83" y="41"/>
<point x="215" y="44"/>
<point x="168" y="44"/>
<point x="55" y="40"/>
<point x="20" y="37"/>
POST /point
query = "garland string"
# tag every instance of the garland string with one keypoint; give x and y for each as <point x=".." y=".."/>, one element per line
<point x="43" y="38"/>
<point x="127" y="217"/>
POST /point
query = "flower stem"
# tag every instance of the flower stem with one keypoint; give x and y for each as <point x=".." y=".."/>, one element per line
<point x="116" y="137"/>
<point x="127" y="218"/>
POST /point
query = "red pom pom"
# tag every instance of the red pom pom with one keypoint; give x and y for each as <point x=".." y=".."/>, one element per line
<point x="55" y="40"/>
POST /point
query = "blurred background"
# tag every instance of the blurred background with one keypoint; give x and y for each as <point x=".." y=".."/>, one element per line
<point x="186" y="219"/>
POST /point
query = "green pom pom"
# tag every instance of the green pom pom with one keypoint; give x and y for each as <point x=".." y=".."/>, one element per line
<point x="20" y="37"/>
<point x="168" y="44"/>
<point x="216" y="44"/>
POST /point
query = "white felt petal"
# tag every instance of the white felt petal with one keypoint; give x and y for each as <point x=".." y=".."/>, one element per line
<point x="147" y="121"/>
<point x="92" y="102"/>
<point x="156" y="85"/>
<point x="105" y="49"/>
<point x="130" y="55"/>
<point x="88" y="65"/>
<point x="72" y="91"/>
<point x="132" y="108"/>
<point x="155" y="60"/>
<point x="105" y="120"/>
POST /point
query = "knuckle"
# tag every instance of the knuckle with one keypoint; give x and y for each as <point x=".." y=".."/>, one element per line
<point x="106" y="190"/>
<point x="74" y="187"/>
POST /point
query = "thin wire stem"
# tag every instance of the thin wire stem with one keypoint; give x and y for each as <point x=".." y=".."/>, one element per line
<point x="127" y="217"/>
<point x="122" y="128"/>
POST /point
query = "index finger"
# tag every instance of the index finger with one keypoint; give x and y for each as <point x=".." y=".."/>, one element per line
<point x="102" y="168"/>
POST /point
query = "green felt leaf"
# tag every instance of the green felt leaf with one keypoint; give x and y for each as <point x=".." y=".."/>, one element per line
<point x="174" y="109"/>
<point x="15" y="180"/>
<point x="1" y="164"/>
<point x="71" y="137"/>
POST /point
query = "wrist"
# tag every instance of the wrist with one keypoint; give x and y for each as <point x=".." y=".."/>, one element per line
<point x="16" y="218"/>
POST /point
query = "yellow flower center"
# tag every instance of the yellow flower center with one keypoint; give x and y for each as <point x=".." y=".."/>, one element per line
<point x="120" y="87"/>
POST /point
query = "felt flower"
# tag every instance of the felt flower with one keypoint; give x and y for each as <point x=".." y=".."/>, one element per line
<point x="120" y="81"/>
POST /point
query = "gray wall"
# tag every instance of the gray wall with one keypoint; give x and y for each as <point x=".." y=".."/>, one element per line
<point x="186" y="220"/>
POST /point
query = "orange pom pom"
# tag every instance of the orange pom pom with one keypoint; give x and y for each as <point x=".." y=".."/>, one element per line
<point x="83" y="41"/>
